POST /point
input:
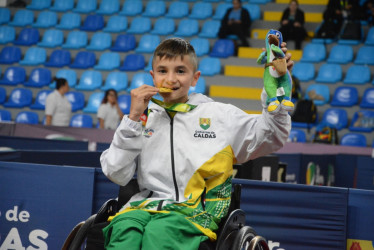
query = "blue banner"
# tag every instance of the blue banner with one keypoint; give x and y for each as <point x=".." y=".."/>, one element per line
<point x="295" y="217"/>
<point x="365" y="172"/>
<point x="105" y="190"/>
<point x="40" y="204"/>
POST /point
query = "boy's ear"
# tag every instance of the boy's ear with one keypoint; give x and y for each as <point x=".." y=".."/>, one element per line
<point x="153" y="76"/>
<point x="195" y="78"/>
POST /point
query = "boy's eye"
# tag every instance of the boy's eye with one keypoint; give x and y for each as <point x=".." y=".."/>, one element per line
<point x="180" y="71"/>
<point x="162" y="71"/>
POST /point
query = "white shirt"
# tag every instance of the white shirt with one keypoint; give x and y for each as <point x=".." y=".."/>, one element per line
<point x="109" y="114"/>
<point x="59" y="108"/>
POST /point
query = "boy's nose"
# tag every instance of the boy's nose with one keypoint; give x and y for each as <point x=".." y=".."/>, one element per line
<point x="171" y="78"/>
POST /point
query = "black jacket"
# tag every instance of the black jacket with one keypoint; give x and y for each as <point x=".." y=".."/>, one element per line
<point x="244" y="18"/>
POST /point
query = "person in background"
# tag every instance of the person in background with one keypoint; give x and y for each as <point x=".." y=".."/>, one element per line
<point x="369" y="12"/>
<point x="236" y="21"/>
<point x="292" y="24"/>
<point x="57" y="106"/>
<point x="109" y="113"/>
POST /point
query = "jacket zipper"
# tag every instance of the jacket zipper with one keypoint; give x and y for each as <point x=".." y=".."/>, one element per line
<point x="172" y="161"/>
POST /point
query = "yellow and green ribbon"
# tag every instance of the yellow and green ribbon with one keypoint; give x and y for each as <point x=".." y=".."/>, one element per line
<point x="175" y="107"/>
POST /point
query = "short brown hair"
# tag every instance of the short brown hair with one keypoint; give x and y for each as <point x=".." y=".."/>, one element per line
<point x="174" y="47"/>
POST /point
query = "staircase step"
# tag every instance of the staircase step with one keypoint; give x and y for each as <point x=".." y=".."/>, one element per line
<point x="245" y="52"/>
<point x="235" y="92"/>
<point x="277" y="16"/>
<point x="244" y="71"/>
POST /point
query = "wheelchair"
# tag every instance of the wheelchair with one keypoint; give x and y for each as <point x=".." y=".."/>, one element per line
<point x="233" y="234"/>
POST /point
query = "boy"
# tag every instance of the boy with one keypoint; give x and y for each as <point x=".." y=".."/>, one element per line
<point x="183" y="156"/>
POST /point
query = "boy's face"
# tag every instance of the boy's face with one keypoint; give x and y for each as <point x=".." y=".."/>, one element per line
<point x="175" y="74"/>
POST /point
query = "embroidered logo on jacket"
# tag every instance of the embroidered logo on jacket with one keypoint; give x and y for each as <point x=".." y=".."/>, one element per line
<point x="148" y="132"/>
<point x="205" y="123"/>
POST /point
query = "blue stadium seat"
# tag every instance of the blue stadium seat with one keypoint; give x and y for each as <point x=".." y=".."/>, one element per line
<point x="200" y="86"/>
<point x="365" y="55"/>
<point x="210" y="29"/>
<point x="5" y="115"/>
<point x="76" y="98"/>
<point x="59" y="58"/>
<point x="46" y="19"/>
<point x="68" y="74"/>
<point x="4" y="15"/>
<point x="84" y="60"/>
<point x="131" y="8"/>
<point x="34" y="56"/>
<point x="297" y="135"/>
<point x="133" y="62"/>
<point x="357" y="74"/>
<point x="313" y="52"/>
<point x="40" y="98"/>
<point x="108" y="7"/>
<point x="124" y="43"/>
<point x="259" y="1"/>
<point x="52" y="38"/>
<point x="319" y="93"/>
<point x="116" y="80"/>
<point x="303" y="71"/>
<point x="94" y="102"/>
<point x="154" y="9"/>
<point x="13" y="76"/>
<point x="201" y="46"/>
<point x="341" y="54"/>
<point x="353" y="139"/>
<point x="27" y="37"/>
<point x="163" y="26"/>
<point x="140" y="25"/>
<point x="62" y="6"/>
<point x="22" y="18"/>
<point x="28" y="117"/>
<point x="335" y="118"/>
<point x="370" y="37"/>
<point x="177" y="10"/>
<point x="139" y="79"/>
<point x="116" y="24"/>
<point x="223" y="48"/>
<point x="39" y="4"/>
<point x="187" y="27"/>
<point x="19" y="98"/>
<point x="210" y="66"/>
<point x="76" y="40"/>
<point x="221" y="10"/>
<point x="81" y="121"/>
<point x="7" y="34"/>
<point x="39" y="77"/>
<point x="254" y="11"/>
<point x="90" y="80"/>
<point x="93" y="22"/>
<point x="85" y="6"/>
<point x="367" y="100"/>
<point x="345" y="97"/>
<point x="100" y="41"/>
<point x="124" y="103"/>
<point x="10" y="55"/>
<point x="69" y="21"/>
<point x="149" y="64"/>
<point x="329" y="73"/>
<point x="362" y="121"/>
<point x="108" y="61"/>
<point x="148" y="43"/>
<point x="2" y="95"/>
<point x="201" y="11"/>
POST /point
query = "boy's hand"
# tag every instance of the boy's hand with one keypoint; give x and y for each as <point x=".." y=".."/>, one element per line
<point x="290" y="63"/>
<point x="140" y="98"/>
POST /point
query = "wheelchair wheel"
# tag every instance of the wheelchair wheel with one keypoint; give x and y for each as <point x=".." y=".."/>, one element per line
<point x="258" y="243"/>
<point x="243" y="238"/>
<point x="82" y="233"/>
<point x="71" y="236"/>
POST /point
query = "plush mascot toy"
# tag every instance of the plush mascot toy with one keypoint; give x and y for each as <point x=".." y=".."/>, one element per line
<point x="277" y="79"/>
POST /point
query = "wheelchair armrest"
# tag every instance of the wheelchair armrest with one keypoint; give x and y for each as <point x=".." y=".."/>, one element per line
<point x="109" y="208"/>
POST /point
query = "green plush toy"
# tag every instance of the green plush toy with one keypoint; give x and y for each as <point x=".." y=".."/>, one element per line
<point x="277" y="79"/>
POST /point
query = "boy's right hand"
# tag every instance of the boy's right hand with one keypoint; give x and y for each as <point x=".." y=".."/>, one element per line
<point x="140" y="98"/>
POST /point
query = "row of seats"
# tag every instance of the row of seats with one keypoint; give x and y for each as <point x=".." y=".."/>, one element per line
<point x="344" y="96"/>
<point x="89" y="80"/>
<point x="153" y="9"/>
<point x="340" y="54"/>
<point x="332" y="73"/>
<point x="348" y="139"/>
<point x="31" y="117"/>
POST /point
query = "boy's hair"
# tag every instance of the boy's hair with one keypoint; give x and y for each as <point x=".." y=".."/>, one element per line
<point x="174" y="47"/>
